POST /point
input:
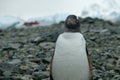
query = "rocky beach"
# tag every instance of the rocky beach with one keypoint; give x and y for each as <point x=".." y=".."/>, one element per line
<point x="25" y="53"/>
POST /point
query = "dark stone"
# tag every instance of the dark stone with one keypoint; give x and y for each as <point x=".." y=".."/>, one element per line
<point x="9" y="78"/>
<point x="14" y="61"/>
<point x="1" y="72"/>
<point x="38" y="40"/>
<point x="46" y="60"/>
<point x="7" y="73"/>
<point x="41" y="54"/>
<point x="42" y="67"/>
<point x="40" y="75"/>
<point x="12" y="46"/>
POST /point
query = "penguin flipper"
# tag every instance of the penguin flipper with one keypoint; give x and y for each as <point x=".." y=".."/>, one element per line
<point x="51" y="77"/>
<point x="90" y="64"/>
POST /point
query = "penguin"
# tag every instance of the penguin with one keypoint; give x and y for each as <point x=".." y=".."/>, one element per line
<point x="71" y="60"/>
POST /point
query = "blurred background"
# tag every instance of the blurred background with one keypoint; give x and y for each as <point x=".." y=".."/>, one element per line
<point x="29" y="30"/>
<point x="48" y="12"/>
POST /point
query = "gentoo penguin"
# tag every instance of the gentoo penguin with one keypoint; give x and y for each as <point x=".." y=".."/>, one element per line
<point x="71" y="59"/>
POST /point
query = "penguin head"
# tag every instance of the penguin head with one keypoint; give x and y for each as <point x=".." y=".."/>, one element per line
<point x="72" y="22"/>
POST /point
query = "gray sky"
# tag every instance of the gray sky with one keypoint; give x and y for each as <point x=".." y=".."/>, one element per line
<point x="37" y="8"/>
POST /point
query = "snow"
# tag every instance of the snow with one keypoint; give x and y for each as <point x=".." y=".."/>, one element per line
<point x="104" y="9"/>
<point x="8" y="21"/>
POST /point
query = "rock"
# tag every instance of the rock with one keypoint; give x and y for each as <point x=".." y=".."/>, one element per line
<point x="116" y="77"/>
<point x="109" y="66"/>
<point x="40" y="75"/>
<point x="117" y="69"/>
<point x="6" y="78"/>
<point x="41" y="54"/>
<point x="1" y="72"/>
<point x="7" y="73"/>
<point x="1" y="30"/>
<point x="24" y="67"/>
<point x="93" y="38"/>
<point x="47" y="45"/>
<point x="52" y="37"/>
<point x="46" y="79"/>
<point x="26" y="77"/>
<point x="115" y="30"/>
<point x="39" y="67"/>
<point x="96" y="74"/>
<point x="105" y="32"/>
<point x="9" y="67"/>
<point x="22" y="42"/>
<point x="35" y="60"/>
<point x="1" y="34"/>
<point x="11" y="55"/>
<point x="30" y="51"/>
<point x="100" y="79"/>
<point x="12" y="46"/>
<point x="111" y="61"/>
<point x="30" y="56"/>
<point x="14" y="61"/>
<point x="37" y="40"/>
<point x="21" y="34"/>
<point x="46" y="60"/>
<point x="118" y="37"/>
<point x="42" y="67"/>
<point x="112" y="72"/>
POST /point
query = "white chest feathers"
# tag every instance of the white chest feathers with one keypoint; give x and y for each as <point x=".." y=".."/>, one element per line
<point x="70" y="60"/>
